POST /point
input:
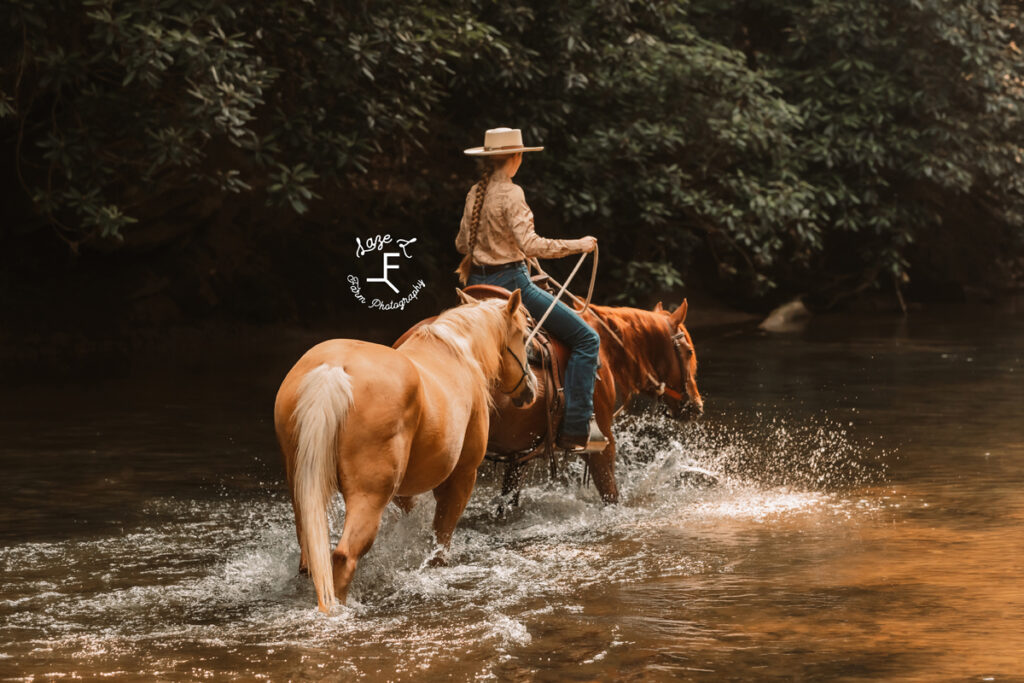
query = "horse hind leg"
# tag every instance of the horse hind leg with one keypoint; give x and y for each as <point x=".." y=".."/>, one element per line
<point x="451" y="496"/>
<point x="454" y="492"/>
<point x="303" y="560"/>
<point x="362" y="521"/>
<point x="369" y="481"/>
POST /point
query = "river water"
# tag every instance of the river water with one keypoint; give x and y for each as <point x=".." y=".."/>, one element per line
<point x="863" y="518"/>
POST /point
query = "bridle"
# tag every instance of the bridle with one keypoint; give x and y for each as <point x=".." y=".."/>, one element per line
<point x="526" y="349"/>
<point x="522" y="369"/>
<point x="657" y="387"/>
<point x="679" y="342"/>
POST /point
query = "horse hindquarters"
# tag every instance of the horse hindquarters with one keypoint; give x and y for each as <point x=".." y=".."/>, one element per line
<point x="323" y="402"/>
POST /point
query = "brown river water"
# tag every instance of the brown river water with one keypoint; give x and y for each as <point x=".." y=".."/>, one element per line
<point x="851" y="507"/>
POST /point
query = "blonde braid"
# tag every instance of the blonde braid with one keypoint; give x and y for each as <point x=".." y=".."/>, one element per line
<point x="466" y="265"/>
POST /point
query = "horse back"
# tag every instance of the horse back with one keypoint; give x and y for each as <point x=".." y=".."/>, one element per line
<point x="384" y="382"/>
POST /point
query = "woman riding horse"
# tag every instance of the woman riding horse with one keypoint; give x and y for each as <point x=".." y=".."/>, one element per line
<point x="497" y="235"/>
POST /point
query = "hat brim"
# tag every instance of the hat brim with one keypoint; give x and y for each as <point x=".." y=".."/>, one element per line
<point x="484" y="152"/>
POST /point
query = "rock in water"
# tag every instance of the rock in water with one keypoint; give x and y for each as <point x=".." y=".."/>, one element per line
<point x="791" y="317"/>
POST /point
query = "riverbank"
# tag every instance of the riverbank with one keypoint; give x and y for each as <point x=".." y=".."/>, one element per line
<point x="47" y="350"/>
<point x="44" y="346"/>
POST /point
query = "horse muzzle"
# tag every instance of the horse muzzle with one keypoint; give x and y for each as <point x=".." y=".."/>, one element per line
<point x="524" y="399"/>
<point x="690" y="411"/>
<point x="529" y="393"/>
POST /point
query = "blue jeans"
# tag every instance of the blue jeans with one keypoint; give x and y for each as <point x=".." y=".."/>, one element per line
<point x="567" y="326"/>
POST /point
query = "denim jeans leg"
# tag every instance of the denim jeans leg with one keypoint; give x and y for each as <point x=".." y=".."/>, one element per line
<point x="567" y="326"/>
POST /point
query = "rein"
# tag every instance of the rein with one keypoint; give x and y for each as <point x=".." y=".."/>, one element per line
<point x="678" y="341"/>
<point x="590" y="292"/>
<point x="660" y="387"/>
<point x="522" y="369"/>
<point x="678" y="338"/>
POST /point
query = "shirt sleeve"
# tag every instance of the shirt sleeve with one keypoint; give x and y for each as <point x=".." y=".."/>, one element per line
<point x="520" y="219"/>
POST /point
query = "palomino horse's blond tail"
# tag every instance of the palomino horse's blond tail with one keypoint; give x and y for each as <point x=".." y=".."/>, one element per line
<point x="325" y="397"/>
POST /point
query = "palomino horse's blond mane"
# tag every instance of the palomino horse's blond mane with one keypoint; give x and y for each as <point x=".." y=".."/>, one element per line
<point x="473" y="339"/>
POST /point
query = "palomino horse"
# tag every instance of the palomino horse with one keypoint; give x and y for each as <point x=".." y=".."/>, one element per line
<point x="642" y="351"/>
<point x="376" y="422"/>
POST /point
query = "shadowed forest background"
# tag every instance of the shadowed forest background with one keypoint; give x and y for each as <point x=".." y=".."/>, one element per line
<point x="169" y="162"/>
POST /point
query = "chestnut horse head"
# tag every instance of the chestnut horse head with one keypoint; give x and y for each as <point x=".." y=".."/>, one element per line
<point x="678" y="374"/>
<point x="652" y="352"/>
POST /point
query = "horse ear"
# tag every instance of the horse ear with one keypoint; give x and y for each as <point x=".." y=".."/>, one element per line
<point x="679" y="315"/>
<point x="658" y="308"/>
<point x="464" y="298"/>
<point x="515" y="299"/>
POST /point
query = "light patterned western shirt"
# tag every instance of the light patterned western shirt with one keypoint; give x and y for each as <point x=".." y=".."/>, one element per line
<point x="506" y="231"/>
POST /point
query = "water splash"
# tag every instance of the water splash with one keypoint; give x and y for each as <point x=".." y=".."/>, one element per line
<point x="816" y="454"/>
<point x="221" y="578"/>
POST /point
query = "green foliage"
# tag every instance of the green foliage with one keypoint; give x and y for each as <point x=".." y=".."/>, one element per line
<point x="791" y="144"/>
<point x="911" y="110"/>
<point x="119" y="102"/>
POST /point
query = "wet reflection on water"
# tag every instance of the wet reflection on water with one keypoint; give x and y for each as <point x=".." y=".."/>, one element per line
<point x="866" y="523"/>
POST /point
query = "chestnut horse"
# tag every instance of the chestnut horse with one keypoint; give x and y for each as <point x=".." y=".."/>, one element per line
<point x="376" y="422"/>
<point x="642" y="351"/>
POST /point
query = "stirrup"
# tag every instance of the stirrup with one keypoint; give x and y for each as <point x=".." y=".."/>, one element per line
<point x="576" y="443"/>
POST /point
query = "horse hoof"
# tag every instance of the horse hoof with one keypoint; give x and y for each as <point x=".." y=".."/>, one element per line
<point x="437" y="561"/>
<point x="503" y="505"/>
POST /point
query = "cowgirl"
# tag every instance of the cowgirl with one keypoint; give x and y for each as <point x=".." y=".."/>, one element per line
<point x="496" y="235"/>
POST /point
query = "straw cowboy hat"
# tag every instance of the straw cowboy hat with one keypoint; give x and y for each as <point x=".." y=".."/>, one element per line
<point x="501" y="141"/>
